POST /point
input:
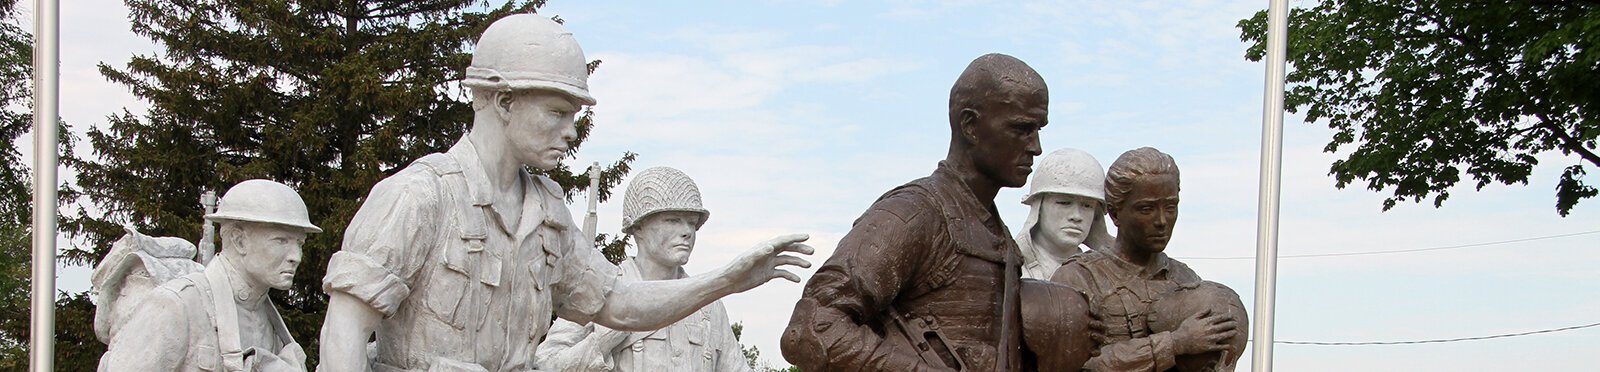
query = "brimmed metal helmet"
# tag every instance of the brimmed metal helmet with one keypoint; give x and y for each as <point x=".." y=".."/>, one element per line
<point x="529" y="51"/>
<point x="266" y="202"/>
<point x="1068" y="171"/>
<point x="660" y="189"/>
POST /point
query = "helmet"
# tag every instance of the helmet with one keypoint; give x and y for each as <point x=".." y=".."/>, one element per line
<point x="529" y="51"/>
<point x="263" y="201"/>
<point x="660" y="189"/>
<point x="1068" y="171"/>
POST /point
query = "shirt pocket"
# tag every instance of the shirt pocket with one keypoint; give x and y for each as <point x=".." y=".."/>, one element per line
<point x="447" y="285"/>
<point x="205" y="357"/>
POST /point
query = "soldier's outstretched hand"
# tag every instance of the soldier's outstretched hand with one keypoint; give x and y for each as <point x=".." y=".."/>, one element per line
<point x="765" y="262"/>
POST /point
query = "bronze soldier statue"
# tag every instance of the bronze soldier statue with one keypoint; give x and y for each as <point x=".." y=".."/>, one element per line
<point x="928" y="279"/>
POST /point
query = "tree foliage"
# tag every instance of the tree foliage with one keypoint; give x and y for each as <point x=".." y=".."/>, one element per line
<point x="327" y="96"/>
<point x="1425" y="91"/>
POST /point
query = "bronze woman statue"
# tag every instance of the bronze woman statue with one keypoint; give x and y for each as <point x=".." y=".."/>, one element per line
<point x="1159" y="315"/>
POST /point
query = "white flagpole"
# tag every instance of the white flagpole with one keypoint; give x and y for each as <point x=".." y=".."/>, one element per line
<point x="1271" y="168"/>
<point x="46" y="81"/>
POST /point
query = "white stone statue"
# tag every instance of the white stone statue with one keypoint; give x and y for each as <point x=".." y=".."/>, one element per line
<point x="459" y="261"/>
<point x="184" y="324"/>
<point x="662" y="212"/>
<point x="1067" y="208"/>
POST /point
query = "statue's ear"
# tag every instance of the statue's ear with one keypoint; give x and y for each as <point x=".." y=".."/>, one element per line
<point x="502" y="105"/>
<point x="233" y="239"/>
<point x="967" y="125"/>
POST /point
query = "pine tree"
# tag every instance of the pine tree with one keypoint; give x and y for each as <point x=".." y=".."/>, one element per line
<point x="326" y="96"/>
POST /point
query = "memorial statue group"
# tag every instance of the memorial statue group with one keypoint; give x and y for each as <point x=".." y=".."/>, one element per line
<point x="463" y="261"/>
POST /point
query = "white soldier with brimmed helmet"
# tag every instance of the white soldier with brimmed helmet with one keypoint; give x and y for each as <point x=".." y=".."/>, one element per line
<point x="459" y="261"/>
<point x="1066" y="202"/>
<point x="217" y="319"/>
<point x="662" y="211"/>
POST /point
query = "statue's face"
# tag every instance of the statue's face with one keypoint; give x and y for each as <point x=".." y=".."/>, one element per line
<point x="271" y="252"/>
<point x="539" y="125"/>
<point x="1006" y="135"/>
<point x="1064" y="220"/>
<point x="667" y="238"/>
<point x="1146" y="216"/>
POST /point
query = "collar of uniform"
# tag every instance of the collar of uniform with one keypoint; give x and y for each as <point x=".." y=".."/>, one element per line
<point x="984" y="210"/>
<point x="1158" y="266"/>
<point x="472" y="168"/>
<point x="478" y="182"/>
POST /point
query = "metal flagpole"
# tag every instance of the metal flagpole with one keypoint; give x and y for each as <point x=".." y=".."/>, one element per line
<point x="46" y="81"/>
<point x="1271" y="167"/>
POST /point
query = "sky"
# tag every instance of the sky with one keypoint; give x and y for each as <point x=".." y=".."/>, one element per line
<point x="793" y="116"/>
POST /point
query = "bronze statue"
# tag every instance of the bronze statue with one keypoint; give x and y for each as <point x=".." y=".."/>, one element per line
<point x="928" y="279"/>
<point x="1159" y="314"/>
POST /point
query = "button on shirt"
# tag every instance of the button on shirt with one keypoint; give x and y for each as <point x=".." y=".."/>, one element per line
<point x="458" y="285"/>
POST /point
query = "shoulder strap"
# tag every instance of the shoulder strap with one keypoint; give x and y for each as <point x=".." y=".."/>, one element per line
<point x="226" y="317"/>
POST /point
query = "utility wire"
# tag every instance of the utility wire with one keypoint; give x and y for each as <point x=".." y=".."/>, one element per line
<point x="1320" y="343"/>
<point x="1400" y="250"/>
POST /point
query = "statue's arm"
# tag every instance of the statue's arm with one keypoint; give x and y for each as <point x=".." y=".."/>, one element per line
<point x="575" y="347"/>
<point x="156" y="337"/>
<point x="345" y="331"/>
<point x="589" y="290"/>
<point x="384" y="247"/>
<point x="833" y="324"/>
<point x="1153" y="353"/>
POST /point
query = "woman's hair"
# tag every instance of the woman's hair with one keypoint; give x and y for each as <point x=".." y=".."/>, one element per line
<point x="1143" y="161"/>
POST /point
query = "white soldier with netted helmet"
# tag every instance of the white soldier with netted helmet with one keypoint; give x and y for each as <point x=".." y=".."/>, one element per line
<point x="662" y="212"/>
<point x="460" y="261"/>
<point x="218" y="318"/>
<point x="1066" y="202"/>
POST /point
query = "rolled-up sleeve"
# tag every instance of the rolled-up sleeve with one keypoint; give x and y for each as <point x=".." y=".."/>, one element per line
<point x="387" y="242"/>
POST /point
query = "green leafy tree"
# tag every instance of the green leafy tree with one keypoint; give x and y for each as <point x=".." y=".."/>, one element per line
<point x="1425" y="91"/>
<point x="326" y="96"/>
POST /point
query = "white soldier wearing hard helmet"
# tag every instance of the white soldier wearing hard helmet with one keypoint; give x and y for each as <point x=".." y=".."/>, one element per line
<point x="1066" y="203"/>
<point x="662" y="211"/>
<point x="220" y="319"/>
<point x="459" y="261"/>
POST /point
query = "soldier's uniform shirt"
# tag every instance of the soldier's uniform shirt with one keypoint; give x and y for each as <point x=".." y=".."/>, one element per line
<point x="460" y="288"/>
<point x="173" y="328"/>
<point x="1122" y="293"/>
<point x="701" y="342"/>
<point x="928" y="250"/>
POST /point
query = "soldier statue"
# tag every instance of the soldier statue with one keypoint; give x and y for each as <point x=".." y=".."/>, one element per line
<point x="1159" y="314"/>
<point x="1066" y="201"/>
<point x="662" y="212"/>
<point x="928" y="278"/>
<point x="460" y="261"/>
<point x="220" y="319"/>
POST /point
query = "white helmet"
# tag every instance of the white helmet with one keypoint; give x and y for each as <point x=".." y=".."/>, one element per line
<point x="1068" y="171"/>
<point x="660" y="189"/>
<point x="263" y="201"/>
<point x="529" y="51"/>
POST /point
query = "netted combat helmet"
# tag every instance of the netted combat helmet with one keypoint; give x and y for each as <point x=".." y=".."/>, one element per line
<point x="529" y="51"/>
<point x="660" y="189"/>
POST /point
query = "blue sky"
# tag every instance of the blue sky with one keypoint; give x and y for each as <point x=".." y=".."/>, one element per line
<point x="794" y="115"/>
